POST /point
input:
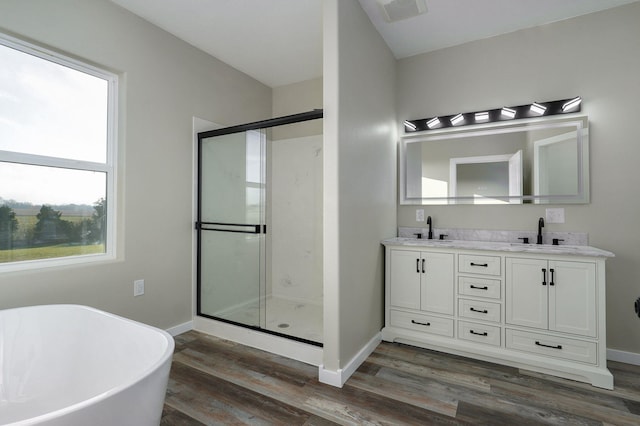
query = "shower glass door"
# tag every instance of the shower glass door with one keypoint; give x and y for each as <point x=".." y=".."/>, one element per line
<point x="231" y="226"/>
<point x="259" y="226"/>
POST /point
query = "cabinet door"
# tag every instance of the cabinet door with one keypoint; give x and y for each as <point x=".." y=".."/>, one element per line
<point x="405" y="279"/>
<point x="437" y="283"/>
<point x="572" y="297"/>
<point x="526" y="295"/>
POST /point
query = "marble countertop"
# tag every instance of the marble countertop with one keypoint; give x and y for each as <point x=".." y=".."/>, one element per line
<point x="500" y="246"/>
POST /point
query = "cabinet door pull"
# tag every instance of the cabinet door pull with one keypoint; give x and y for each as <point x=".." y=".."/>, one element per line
<point x="418" y="265"/>
<point x="544" y="276"/>
<point x="475" y="287"/>
<point x="551" y="282"/>
<point x="478" y="334"/>
<point x="423" y="269"/>
<point x="420" y="323"/>
<point x="482" y="311"/>
<point x="484" y="265"/>
<point x="548" y="346"/>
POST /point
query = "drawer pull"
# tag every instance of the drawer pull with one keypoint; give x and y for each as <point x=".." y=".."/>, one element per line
<point x="420" y="323"/>
<point x="548" y="346"/>
<point x="484" y="265"/>
<point x="478" y="334"/>
<point x="481" y="311"/>
<point x="478" y="288"/>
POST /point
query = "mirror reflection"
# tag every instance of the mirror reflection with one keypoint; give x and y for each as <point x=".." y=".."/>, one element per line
<point x="537" y="161"/>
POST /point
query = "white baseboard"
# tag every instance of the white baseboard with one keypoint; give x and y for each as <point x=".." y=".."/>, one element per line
<point x="339" y="378"/>
<point x="622" y="356"/>
<point x="330" y="377"/>
<point x="180" y="328"/>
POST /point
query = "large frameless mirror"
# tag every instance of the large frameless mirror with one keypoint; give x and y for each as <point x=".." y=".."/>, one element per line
<point x="540" y="161"/>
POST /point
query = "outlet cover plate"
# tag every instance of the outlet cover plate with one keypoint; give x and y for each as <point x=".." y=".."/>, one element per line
<point x="555" y="215"/>
<point x="138" y="287"/>
<point x="420" y="215"/>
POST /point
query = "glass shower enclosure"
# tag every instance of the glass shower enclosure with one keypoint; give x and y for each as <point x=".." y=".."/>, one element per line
<point x="259" y="226"/>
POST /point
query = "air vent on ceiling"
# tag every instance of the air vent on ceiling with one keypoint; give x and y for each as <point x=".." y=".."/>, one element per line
<point x="397" y="10"/>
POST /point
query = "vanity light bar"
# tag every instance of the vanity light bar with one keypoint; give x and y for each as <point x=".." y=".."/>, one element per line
<point x="457" y="119"/>
<point x="570" y="106"/>
<point x="508" y="112"/>
<point x="434" y="122"/>
<point x="536" y="109"/>
<point x="482" y="116"/>
<point x="409" y="125"/>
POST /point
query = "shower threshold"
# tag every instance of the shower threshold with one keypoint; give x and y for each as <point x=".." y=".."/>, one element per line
<point x="292" y="318"/>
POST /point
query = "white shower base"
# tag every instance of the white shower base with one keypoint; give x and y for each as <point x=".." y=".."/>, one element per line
<point x="301" y="319"/>
<point x="295" y="318"/>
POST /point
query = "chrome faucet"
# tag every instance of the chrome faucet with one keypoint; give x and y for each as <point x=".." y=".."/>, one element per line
<point x="540" y="226"/>
<point x="430" y="235"/>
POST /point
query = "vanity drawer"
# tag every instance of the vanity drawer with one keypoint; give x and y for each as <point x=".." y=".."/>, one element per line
<point x="555" y="346"/>
<point x="480" y="333"/>
<point x="478" y="264"/>
<point x="424" y="323"/>
<point x="480" y="287"/>
<point x="477" y="309"/>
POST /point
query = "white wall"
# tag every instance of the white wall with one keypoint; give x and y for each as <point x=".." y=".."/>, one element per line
<point x="359" y="178"/>
<point x="164" y="83"/>
<point x="595" y="56"/>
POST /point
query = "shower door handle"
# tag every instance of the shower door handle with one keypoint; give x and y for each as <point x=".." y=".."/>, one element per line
<point x="242" y="228"/>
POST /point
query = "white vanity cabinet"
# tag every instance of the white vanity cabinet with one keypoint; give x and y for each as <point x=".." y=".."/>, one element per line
<point x="552" y="295"/>
<point x="479" y="279"/>
<point x="536" y="308"/>
<point x="422" y="283"/>
<point x="422" y="280"/>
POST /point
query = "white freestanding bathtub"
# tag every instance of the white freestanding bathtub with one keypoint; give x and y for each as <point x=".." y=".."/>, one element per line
<point x="74" y="365"/>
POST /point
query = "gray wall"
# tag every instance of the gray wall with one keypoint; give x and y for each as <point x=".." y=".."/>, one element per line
<point x="359" y="178"/>
<point x="296" y="98"/>
<point x="595" y="56"/>
<point x="164" y="83"/>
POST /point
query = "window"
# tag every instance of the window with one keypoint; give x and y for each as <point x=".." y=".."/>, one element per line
<point x="57" y="158"/>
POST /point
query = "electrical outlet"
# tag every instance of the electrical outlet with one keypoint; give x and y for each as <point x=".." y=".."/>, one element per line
<point x="420" y="215"/>
<point x="555" y="215"/>
<point x="138" y="287"/>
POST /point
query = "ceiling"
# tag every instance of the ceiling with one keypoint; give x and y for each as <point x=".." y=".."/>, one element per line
<point x="279" y="42"/>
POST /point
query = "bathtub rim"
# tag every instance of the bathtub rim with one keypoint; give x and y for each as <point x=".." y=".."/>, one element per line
<point x="144" y="373"/>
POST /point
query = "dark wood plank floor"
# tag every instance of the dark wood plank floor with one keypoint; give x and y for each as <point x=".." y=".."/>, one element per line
<point x="217" y="382"/>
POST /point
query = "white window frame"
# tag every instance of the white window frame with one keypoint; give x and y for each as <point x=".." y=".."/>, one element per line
<point x="109" y="167"/>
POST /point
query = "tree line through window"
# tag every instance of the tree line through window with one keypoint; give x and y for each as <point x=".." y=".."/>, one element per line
<point x="28" y="232"/>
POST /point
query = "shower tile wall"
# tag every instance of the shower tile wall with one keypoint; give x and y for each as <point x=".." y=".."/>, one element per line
<point x="295" y="236"/>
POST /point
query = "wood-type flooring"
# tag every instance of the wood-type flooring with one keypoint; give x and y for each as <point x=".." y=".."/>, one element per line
<point x="217" y="382"/>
